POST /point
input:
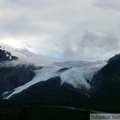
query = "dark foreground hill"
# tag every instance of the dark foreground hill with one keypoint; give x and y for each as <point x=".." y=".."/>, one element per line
<point x="107" y="88"/>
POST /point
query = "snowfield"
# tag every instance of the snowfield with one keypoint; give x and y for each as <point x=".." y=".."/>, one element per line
<point x="79" y="77"/>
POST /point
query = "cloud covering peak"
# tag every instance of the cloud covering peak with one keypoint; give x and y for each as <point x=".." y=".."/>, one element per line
<point x="62" y="29"/>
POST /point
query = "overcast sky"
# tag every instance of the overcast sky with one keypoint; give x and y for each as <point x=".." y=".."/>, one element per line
<point x="63" y="29"/>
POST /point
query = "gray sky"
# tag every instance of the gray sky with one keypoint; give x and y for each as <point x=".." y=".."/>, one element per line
<point x="63" y="29"/>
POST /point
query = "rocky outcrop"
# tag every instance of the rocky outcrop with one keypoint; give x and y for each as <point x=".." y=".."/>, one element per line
<point x="6" y="56"/>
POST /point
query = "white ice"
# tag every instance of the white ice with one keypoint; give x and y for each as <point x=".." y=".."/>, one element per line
<point x="78" y="77"/>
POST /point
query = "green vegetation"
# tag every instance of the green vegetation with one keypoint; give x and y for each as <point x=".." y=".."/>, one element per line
<point x="60" y="97"/>
<point x="64" y="97"/>
<point x="42" y="113"/>
<point x="4" y="71"/>
<point x="108" y="92"/>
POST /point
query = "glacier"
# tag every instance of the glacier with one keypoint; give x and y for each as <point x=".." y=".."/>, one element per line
<point x="79" y="77"/>
<point x="41" y="75"/>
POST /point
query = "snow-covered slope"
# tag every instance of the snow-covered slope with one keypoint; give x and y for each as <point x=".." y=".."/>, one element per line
<point x="78" y="77"/>
<point x="27" y="57"/>
<point x="8" y="54"/>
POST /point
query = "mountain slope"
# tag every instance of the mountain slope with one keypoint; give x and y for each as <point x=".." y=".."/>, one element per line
<point x="16" y="77"/>
<point x="107" y="90"/>
<point x="103" y="95"/>
<point x="78" y="78"/>
<point x="6" y="56"/>
<point x="72" y="83"/>
<point x="11" y="75"/>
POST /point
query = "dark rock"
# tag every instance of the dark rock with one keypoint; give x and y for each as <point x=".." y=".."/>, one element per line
<point x="63" y="70"/>
<point x="18" y="76"/>
<point x="6" y="56"/>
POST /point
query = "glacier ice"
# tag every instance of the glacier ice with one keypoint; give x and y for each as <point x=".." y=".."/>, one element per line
<point x="78" y="77"/>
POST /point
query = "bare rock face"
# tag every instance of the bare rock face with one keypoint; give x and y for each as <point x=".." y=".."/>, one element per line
<point x="6" y="56"/>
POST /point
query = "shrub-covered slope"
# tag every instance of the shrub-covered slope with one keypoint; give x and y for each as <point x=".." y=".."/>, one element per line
<point x="107" y="89"/>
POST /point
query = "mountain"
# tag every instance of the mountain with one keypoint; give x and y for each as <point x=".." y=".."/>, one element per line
<point x="107" y="84"/>
<point x="74" y="75"/>
<point x="27" y="57"/>
<point x="12" y="76"/>
<point x="25" y="52"/>
<point x="57" y="90"/>
<point x="6" y="56"/>
<point x="92" y="85"/>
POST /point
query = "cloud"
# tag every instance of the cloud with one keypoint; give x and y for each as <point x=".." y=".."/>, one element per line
<point x="111" y="4"/>
<point x="91" y="45"/>
<point x="64" y="29"/>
